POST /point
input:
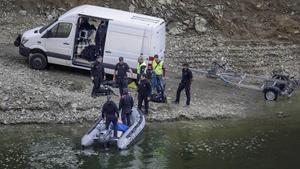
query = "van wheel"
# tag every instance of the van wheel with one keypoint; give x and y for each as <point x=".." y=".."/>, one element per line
<point x="37" y="61"/>
<point x="271" y="95"/>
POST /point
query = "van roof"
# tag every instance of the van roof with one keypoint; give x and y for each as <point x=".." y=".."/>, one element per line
<point x="112" y="14"/>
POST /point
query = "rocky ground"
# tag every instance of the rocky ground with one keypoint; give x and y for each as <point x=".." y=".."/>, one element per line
<point x="254" y="37"/>
<point x="62" y="95"/>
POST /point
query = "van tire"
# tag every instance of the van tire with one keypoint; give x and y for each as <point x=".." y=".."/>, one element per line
<point x="38" y="61"/>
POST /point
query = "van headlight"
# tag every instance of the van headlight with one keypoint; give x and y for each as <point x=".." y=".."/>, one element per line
<point x="24" y="40"/>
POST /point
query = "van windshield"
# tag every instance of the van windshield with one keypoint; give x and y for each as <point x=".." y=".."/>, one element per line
<point x="47" y="26"/>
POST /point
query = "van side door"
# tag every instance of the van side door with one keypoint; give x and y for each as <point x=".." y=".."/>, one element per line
<point x="59" y="41"/>
<point x="123" y="41"/>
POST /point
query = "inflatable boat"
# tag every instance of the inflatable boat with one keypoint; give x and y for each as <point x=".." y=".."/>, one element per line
<point x="99" y="134"/>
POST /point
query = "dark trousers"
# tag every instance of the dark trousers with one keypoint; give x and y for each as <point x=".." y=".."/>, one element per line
<point x="138" y="78"/>
<point x="97" y="82"/>
<point x="144" y="99"/>
<point x="187" y="88"/>
<point x="126" y="118"/>
<point x="122" y="83"/>
<point x="113" y="120"/>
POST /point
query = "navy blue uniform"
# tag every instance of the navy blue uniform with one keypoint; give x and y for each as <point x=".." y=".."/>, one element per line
<point x="126" y="104"/>
<point x="98" y="73"/>
<point x="121" y="78"/>
<point x="100" y="39"/>
<point x="144" y="92"/>
<point x="186" y="81"/>
<point x="110" y="112"/>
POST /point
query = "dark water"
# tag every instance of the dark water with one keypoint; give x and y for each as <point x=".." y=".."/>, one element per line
<point x="270" y="139"/>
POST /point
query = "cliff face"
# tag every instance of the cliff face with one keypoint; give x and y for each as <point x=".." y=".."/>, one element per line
<point x="237" y="19"/>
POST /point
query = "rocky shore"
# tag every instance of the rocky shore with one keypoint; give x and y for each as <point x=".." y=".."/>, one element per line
<point x="62" y="95"/>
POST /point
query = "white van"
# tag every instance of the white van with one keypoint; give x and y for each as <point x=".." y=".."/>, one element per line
<point x="85" y="31"/>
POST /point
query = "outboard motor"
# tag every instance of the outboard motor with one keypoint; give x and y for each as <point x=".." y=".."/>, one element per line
<point x="105" y="135"/>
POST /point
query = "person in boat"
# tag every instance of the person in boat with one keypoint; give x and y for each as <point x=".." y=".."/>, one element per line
<point x="126" y="104"/>
<point x="110" y="114"/>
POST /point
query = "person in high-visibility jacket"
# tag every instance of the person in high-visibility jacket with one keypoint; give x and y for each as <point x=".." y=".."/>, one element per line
<point x="158" y="75"/>
<point x="141" y="68"/>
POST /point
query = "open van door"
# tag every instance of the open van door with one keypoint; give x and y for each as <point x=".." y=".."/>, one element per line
<point x="122" y="41"/>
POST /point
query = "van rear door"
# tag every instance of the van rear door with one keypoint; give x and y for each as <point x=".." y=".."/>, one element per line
<point x="123" y="41"/>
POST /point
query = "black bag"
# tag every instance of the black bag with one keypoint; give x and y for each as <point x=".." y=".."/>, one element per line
<point x="158" y="98"/>
<point x="89" y="53"/>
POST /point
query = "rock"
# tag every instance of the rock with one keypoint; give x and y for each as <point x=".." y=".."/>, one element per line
<point x="74" y="105"/>
<point x="162" y="2"/>
<point x="18" y="102"/>
<point x="176" y="28"/>
<point x="6" y="98"/>
<point x="200" y="24"/>
<point x="282" y="114"/>
<point x="3" y="106"/>
<point x="187" y="22"/>
<point x="131" y="8"/>
<point x="22" y="12"/>
<point x="62" y="9"/>
<point x="50" y="17"/>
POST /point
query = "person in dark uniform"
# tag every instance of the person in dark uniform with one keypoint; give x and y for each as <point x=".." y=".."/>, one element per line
<point x="97" y="75"/>
<point x="120" y="74"/>
<point x="110" y="114"/>
<point x="85" y="25"/>
<point x="126" y="104"/>
<point x="186" y="81"/>
<point x="144" y="92"/>
<point x="100" y="38"/>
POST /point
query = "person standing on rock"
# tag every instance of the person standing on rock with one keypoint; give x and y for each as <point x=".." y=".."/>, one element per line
<point x="126" y="104"/>
<point x="110" y="114"/>
<point x="158" y="75"/>
<point x="97" y="75"/>
<point x="144" y="92"/>
<point x="141" y="68"/>
<point x="120" y="74"/>
<point x="186" y="81"/>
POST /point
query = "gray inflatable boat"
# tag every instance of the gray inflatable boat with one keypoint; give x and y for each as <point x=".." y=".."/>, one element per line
<point x="99" y="134"/>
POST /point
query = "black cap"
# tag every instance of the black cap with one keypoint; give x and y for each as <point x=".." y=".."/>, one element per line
<point x="156" y="56"/>
<point x="185" y="64"/>
<point x="121" y="59"/>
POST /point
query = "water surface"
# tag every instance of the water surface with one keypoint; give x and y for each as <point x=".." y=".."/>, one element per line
<point x="267" y="139"/>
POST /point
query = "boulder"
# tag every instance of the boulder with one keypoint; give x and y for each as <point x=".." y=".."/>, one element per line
<point x="176" y="28"/>
<point x="131" y="8"/>
<point x="200" y="24"/>
<point x="22" y="12"/>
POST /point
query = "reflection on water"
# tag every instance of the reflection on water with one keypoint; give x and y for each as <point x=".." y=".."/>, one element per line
<point x="266" y="140"/>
